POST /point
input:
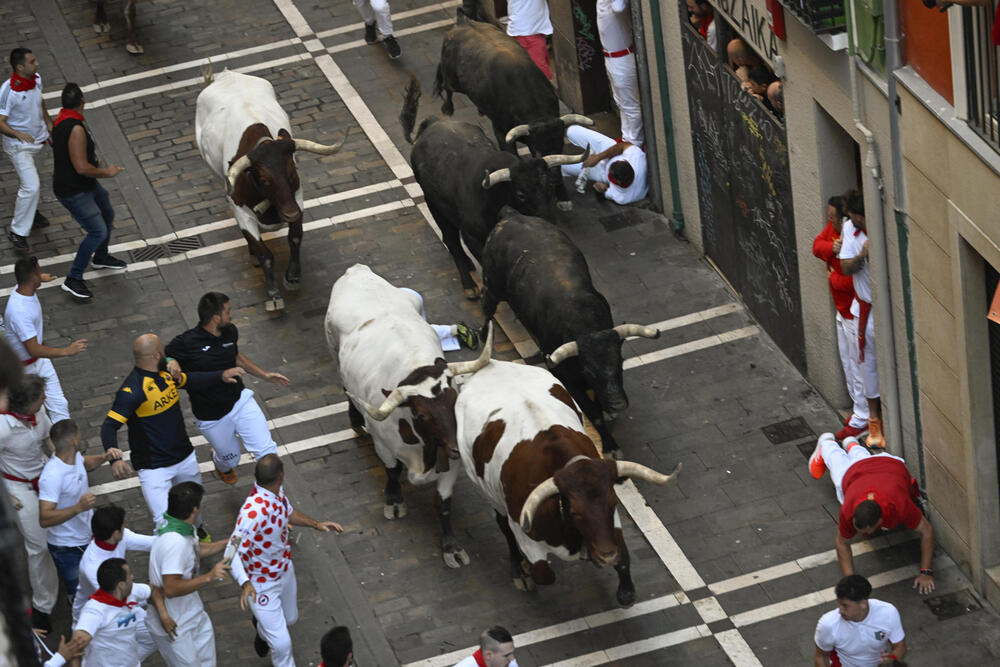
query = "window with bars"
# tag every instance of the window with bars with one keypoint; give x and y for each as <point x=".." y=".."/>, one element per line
<point x="982" y="71"/>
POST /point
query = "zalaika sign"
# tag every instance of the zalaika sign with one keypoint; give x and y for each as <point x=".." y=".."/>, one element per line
<point x="753" y="20"/>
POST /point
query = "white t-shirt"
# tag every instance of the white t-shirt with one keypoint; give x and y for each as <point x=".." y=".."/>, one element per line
<point x="528" y="17"/>
<point x="852" y="240"/>
<point x="471" y="662"/>
<point x="614" y="25"/>
<point x="24" y="112"/>
<point x="92" y="558"/>
<point x="173" y="553"/>
<point x="23" y="321"/>
<point x="64" y="485"/>
<point x="21" y="452"/>
<point x="860" y="644"/>
<point x="639" y="187"/>
<point x="113" y="630"/>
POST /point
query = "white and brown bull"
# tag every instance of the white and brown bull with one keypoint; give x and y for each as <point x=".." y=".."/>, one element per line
<point x="243" y="135"/>
<point x="391" y="365"/>
<point x="522" y="442"/>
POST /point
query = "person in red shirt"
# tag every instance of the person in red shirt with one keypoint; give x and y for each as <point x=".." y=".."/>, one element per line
<point x="875" y="492"/>
<point x="826" y="247"/>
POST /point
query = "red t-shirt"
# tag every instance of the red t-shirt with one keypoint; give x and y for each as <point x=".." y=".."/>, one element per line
<point x="841" y="286"/>
<point x="887" y="482"/>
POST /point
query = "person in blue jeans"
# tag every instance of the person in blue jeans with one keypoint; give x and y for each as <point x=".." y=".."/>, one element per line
<point x="74" y="181"/>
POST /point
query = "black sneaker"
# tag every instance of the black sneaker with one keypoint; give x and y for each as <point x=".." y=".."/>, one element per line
<point x="259" y="645"/>
<point x="40" y="620"/>
<point x="40" y="221"/>
<point x="108" y="262"/>
<point x="392" y="47"/>
<point x="370" y="36"/>
<point x="20" y="243"/>
<point x="77" y="288"/>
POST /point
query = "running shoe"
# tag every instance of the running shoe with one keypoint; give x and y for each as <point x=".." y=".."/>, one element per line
<point x="19" y="242"/>
<point x="370" y="36"/>
<point x="77" y="288"/>
<point x="817" y="466"/>
<point x="229" y="477"/>
<point x="392" y="47"/>
<point x="466" y="336"/>
<point x="108" y="262"/>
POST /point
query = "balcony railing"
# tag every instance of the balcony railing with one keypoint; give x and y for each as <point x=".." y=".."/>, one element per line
<point x="820" y="16"/>
<point x="982" y="72"/>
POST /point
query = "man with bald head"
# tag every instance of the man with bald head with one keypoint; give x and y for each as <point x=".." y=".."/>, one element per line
<point x="149" y="403"/>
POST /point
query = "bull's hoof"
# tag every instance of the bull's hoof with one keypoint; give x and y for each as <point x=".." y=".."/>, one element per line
<point x="471" y="293"/>
<point x="274" y="303"/>
<point x="626" y="598"/>
<point x="456" y="559"/>
<point x="135" y="49"/>
<point x="291" y="284"/>
<point x="102" y="28"/>
<point x="448" y="108"/>
<point x="524" y="583"/>
<point x="542" y="574"/>
<point x="564" y="205"/>
<point x="396" y="511"/>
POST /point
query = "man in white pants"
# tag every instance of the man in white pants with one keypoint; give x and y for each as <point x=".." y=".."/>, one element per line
<point x="159" y="445"/>
<point x="375" y="13"/>
<point x="174" y="569"/>
<point x="25" y="125"/>
<point x="25" y="329"/>
<point x="228" y="413"/>
<point x="24" y="428"/>
<point x="616" y="169"/>
<point x="264" y="567"/>
<point x="614" y="25"/>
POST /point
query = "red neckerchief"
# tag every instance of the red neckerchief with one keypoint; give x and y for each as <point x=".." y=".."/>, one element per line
<point x="478" y="655"/>
<point x="65" y="114"/>
<point x="107" y="598"/>
<point x="27" y="419"/>
<point x="19" y="84"/>
<point x="704" y="22"/>
<point x="107" y="546"/>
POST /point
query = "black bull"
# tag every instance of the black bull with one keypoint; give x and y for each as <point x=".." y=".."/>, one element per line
<point x="499" y="77"/>
<point x="532" y="265"/>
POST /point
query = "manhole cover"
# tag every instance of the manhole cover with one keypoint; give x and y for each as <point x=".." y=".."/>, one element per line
<point x="184" y="244"/>
<point x="953" y="604"/>
<point x="788" y="430"/>
<point x="148" y="253"/>
<point x="618" y="221"/>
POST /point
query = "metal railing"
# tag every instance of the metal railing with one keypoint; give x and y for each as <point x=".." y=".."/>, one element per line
<point x="982" y="72"/>
<point x="820" y="16"/>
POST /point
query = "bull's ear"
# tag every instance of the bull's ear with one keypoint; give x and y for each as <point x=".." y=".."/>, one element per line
<point x="283" y="134"/>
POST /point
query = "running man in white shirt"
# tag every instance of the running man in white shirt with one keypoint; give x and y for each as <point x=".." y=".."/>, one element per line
<point x="24" y="428"/>
<point x="64" y="503"/>
<point x="25" y="125"/>
<point x="25" y="332"/>
<point x="264" y="568"/>
<point x="188" y="640"/>
<point x="863" y="632"/>
<point x="109" y="623"/>
<point x="496" y="649"/>
<point x="614" y="25"/>
<point x="617" y="170"/>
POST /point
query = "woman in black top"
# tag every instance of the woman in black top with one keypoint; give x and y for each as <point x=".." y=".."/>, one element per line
<point x="74" y="181"/>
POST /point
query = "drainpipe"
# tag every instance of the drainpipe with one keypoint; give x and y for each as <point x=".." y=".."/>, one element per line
<point x="874" y="187"/>
<point x="893" y="62"/>
<point x="677" y="215"/>
<point x="646" y="104"/>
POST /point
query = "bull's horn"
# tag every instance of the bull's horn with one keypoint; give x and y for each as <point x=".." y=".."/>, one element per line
<point x="633" y="469"/>
<point x="261" y="208"/>
<point x="391" y="402"/>
<point x="313" y="147"/>
<point x="559" y="160"/>
<point x="576" y="119"/>
<point x="627" y="330"/>
<point x="462" y="367"/>
<point x="496" y="177"/>
<point x="542" y="492"/>
<point x="563" y="352"/>
<point x="238" y="168"/>
<point x="517" y="131"/>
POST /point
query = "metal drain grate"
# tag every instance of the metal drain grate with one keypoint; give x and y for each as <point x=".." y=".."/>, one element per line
<point x="954" y="604"/>
<point x="184" y="244"/>
<point x="148" y="253"/>
<point x="795" y="428"/>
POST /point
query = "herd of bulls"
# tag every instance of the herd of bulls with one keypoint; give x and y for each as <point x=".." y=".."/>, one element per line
<point x="518" y="429"/>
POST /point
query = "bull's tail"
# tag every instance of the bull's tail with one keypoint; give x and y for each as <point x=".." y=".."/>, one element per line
<point x="438" y="82"/>
<point x="206" y="72"/>
<point x="411" y="101"/>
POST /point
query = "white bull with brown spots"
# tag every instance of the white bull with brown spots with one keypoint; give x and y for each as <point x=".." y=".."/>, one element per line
<point x="392" y="367"/>
<point x="523" y="444"/>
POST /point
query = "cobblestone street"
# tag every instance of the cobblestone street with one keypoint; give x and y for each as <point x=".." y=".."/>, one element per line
<point x="733" y="564"/>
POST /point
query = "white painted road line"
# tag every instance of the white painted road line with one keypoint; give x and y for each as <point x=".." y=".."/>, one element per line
<point x="410" y="13"/>
<point x="691" y="346"/>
